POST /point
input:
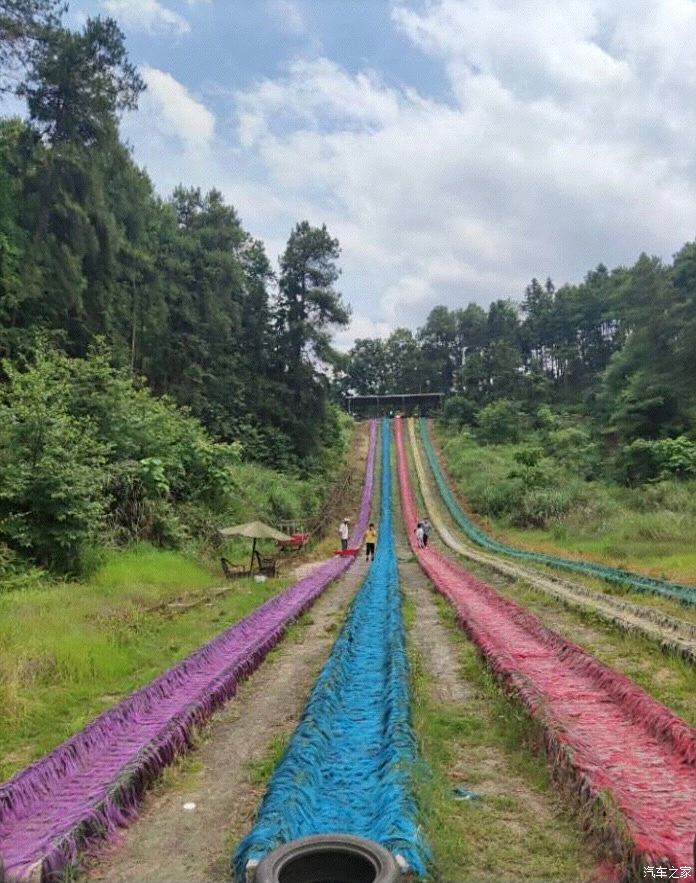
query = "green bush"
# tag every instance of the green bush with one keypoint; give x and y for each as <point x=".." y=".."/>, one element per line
<point x="176" y="457"/>
<point x="84" y="448"/>
<point x="540" y="506"/>
<point x="459" y="411"/>
<point x="575" y="449"/>
<point x="673" y="495"/>
<point x="52" y="467"/>
<point x="16" y="575"/>
<point x="89" y="456"/>
<point x="545" y="419"/>
<point x="501" y="422"/>
<point x="657" y="460"/>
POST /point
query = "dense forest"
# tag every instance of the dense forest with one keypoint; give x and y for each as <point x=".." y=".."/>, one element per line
<point x="619" y="348"/>
<point x="119" y="308"/>
<point x="149" y="347"/>
<point x="180" y="291"/>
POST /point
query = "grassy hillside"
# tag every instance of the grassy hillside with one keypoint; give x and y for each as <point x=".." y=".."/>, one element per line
<point x="70" y="649"/>
<point x="535" y="493"/>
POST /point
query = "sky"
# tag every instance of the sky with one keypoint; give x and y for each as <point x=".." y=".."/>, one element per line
<point x="456" y="148"/>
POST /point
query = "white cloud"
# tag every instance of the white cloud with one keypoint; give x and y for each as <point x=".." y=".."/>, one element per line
<point x="169" y="108"/>
<point x="148" y="15"/>
<point x="567" y="140"/>
<point x="315" y="94"/>
<point x="287" y="16"/>
<point x="361" y="326"/>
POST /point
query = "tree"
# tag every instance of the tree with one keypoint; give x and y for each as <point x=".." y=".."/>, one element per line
<point x="639" y="395"/>
<point x="12" y="238"/>
<point x="500" y="422"/>
<point x="366" y="370"/>
<point x="471" y="327"/>
<point x="23" y="24"/>
<point x="79" y="82"/>
<point x="440" y="349"/>
<point x="403" y="362"/>
<point x="308" y="304"/>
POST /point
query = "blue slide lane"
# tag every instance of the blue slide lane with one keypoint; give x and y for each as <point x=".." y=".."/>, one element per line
<point x="348" y="766"/>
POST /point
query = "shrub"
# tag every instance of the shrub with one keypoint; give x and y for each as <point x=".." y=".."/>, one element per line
<point x="657" y="460"/>
<point x="673" y="495"/>
<point x="528" y="457"/>
<point x="459" y="411"/>
<point x="52" y="491"/>
<point x="500" y="422"/>
<point x="84" y="446"/>
<point x="545" y="419"/>
<point x="574" y="448"/>
<point x="539" y="506"/>
<point x="14" y="575"/>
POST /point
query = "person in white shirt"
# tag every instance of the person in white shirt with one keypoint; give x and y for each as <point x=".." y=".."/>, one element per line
<point x="344" y="532"/>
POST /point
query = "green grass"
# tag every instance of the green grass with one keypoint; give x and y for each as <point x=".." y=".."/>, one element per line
<point x="261" y="771"/>
<point x="648" y="529"/>
<point x="145" y="568"/>
<point x="70" y="650"/>
<point x="518" y="830"/>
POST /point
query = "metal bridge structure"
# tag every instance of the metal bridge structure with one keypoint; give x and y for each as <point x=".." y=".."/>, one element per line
<point x="422" y="404"/>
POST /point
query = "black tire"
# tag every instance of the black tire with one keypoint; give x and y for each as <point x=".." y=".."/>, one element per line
<point x="329" y="858"/>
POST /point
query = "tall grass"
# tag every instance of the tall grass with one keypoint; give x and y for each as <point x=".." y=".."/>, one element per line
<point x="69" y="650"/>
<point x="650" y="528"/>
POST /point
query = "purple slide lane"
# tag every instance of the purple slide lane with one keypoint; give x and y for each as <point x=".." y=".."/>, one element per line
<point x="91" y="784"/>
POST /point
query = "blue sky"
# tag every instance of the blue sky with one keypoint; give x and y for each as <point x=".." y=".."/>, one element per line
<point x="455" y="147"/>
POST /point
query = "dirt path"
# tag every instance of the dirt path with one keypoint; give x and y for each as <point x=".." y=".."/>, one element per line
<point x="428" y="633"/>
<point x="168" y="844"/>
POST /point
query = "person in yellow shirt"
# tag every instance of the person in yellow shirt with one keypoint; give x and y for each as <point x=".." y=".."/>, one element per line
<point x="370" y="541"/>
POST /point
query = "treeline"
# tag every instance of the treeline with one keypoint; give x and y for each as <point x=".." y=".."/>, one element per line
<point x="620" y="348"/>
<point x="147" y="346"/>
<point x="178" y="289"/>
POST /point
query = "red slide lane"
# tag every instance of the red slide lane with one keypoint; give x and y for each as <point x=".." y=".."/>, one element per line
<point x="602" y="728"/>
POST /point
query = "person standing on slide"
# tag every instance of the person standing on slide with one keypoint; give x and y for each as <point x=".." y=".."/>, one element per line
<point x="344" y="533"/>
<point x="426" y="532"/>
<point x="370" y="541"/>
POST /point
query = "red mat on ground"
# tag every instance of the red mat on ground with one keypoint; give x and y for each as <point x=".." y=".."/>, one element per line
<point x="601" y="729"/>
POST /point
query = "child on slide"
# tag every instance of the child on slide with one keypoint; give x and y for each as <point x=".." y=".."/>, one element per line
<point x="370" y="541"/>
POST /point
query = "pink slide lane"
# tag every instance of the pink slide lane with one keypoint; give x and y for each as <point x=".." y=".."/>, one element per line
<point x="603" y="733"/>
